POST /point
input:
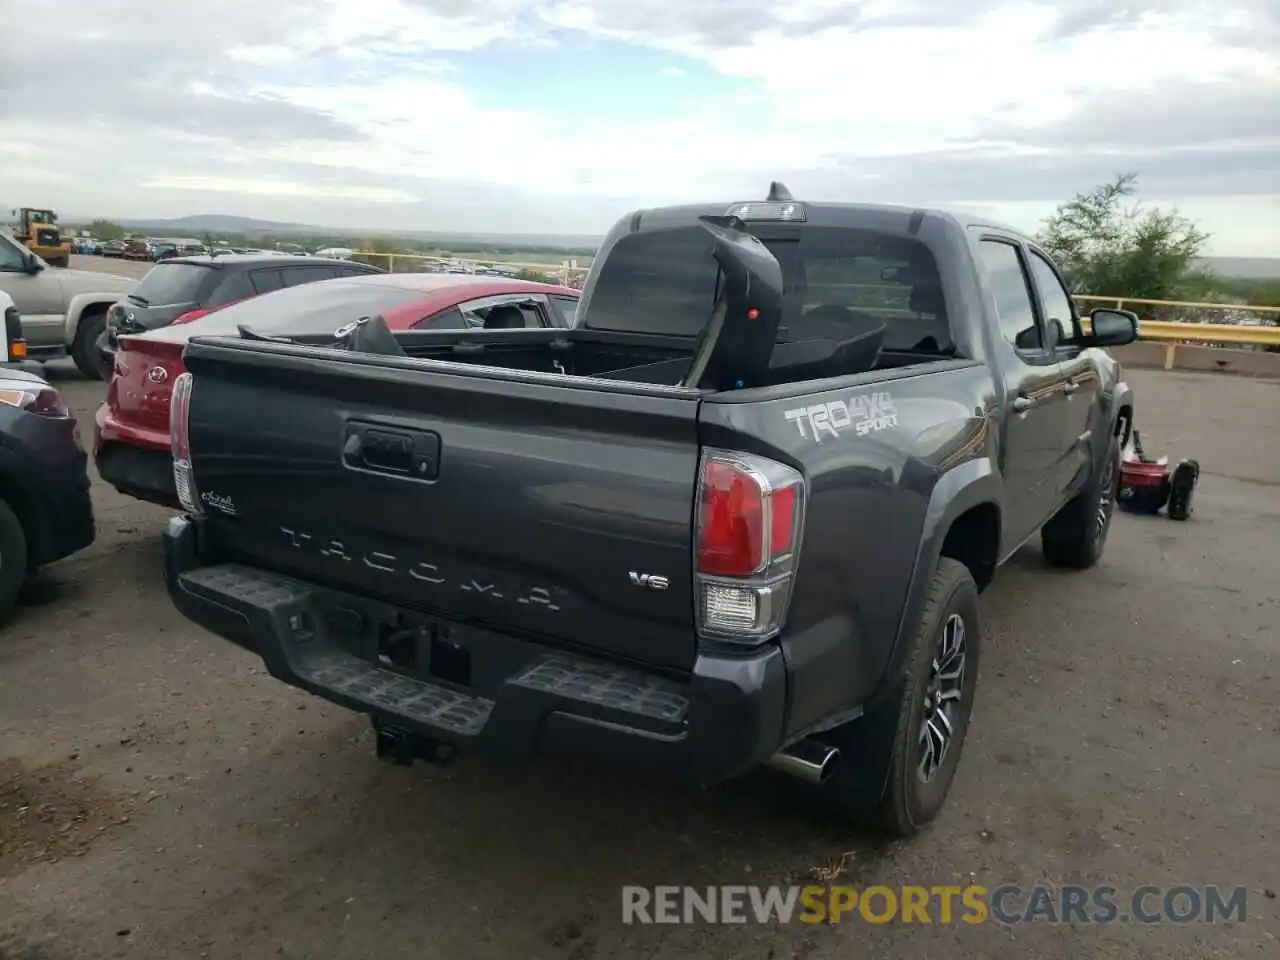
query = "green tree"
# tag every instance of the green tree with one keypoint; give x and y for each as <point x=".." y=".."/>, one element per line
<point x="106" y="230"/>
<point x="381" y="245"/>
<point x="1106" y="244"/>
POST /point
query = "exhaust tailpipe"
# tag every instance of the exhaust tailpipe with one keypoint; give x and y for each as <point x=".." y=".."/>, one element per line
<point x="807" y="760"/>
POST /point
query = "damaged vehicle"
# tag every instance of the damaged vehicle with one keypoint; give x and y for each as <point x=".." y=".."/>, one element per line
<point x="739" y="514"/>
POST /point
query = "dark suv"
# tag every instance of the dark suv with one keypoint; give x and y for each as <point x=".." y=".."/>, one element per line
<point x="179" y="289"/>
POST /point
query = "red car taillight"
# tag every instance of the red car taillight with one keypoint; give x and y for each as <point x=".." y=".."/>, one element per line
<point x="749" y="523"/>
<point x="189" y="316"/>
<point x="184" y="478"/>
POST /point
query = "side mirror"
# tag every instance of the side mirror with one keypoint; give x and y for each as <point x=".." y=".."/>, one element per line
<point x="1112" y="328"/>
<point x="31" y="263"/>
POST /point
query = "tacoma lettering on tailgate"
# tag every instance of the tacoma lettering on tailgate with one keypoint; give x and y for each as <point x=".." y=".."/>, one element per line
<point x="503" y="589"/>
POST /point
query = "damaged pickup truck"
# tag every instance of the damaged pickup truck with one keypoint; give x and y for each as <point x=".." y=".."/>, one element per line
<point x="740" y="514"/>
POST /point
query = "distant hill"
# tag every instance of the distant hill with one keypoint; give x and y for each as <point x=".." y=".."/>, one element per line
<point x="1249" y="268"/>
<point x="1253" y="268"/>
<point x="219" y="223"/>
<point x="249" y="226"/>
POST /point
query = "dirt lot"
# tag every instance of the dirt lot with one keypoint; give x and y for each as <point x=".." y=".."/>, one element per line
<point x="161" y="796"/>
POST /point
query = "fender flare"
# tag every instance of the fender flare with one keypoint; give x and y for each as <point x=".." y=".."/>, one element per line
<point x="76" y="308"/>
<point x="960" y="489"/>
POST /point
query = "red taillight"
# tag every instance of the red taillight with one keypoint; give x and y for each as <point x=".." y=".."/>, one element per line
<point x="731" y="523"/>
<point x="750" y="513"/>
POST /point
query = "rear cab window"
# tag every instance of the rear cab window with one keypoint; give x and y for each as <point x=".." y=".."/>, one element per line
<point x="172" y="283"/>
<point x="837" y="280"/>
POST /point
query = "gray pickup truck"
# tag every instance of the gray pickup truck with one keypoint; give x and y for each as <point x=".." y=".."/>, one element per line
<point x="63" y="311"/>
<point x="740" y="514"/>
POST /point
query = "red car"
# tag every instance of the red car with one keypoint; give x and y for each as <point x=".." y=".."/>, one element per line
<point x="131" y="429"/>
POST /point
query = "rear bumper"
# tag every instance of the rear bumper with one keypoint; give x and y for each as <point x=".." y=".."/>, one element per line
<point x="138" y="473"/>
<point x="517" y="697"/>
<point x="135" y="462"/>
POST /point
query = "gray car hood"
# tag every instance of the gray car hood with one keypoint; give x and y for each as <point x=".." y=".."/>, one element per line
<point x="90" y="281"/>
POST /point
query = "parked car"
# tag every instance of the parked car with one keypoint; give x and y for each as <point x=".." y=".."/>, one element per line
<point x="163" y="251"/>
<point x="113" y="249"/>
<point x="138" y="250"/>
<point x="739" y="514"/>
<point x="131" y="429"/>
<point x="63" y="311"/>
<point x="45" y="510"/>
<point x="187" y="287"/>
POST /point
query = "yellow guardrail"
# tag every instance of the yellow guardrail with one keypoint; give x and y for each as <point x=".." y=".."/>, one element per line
<point x="1129" y="303"/>
<point x="1173" y="333"/>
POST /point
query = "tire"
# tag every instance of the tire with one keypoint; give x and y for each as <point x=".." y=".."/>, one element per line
<point x="13" y="559"/>
<point x="882" y="775"/>
<point x="1077" y="534"/>
<point x="85" y="349"/>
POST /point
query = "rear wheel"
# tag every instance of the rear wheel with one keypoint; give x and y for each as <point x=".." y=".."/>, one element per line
<point x="1077" y="534"/>
<point x="897" y="763"/>
<point x="85" y="349"/>
<point x="13" y="559"/>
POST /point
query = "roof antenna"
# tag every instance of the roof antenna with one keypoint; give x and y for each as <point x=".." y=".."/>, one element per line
<point x="778" y="192"/>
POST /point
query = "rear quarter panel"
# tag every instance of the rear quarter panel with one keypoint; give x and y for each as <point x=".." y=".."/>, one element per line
<point x="875" y="454"/>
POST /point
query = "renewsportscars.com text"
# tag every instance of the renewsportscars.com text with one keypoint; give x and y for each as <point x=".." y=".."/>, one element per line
<point x="1007" y="904"/>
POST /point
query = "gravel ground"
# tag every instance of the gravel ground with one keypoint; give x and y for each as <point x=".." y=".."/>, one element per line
<point x="161" y="796"/>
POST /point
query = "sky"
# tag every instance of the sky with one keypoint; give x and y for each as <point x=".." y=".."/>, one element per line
<point x="520" y="117"/>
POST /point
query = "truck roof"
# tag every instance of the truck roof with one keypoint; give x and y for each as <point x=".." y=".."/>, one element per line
<point x="896" y="218"/>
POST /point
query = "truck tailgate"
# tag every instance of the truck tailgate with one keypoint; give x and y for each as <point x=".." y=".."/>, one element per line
<point x="532" y="505"/>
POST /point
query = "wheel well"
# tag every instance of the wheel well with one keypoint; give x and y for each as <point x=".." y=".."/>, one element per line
<point x="1124" y="424"/>
<point x="974" y="540"/>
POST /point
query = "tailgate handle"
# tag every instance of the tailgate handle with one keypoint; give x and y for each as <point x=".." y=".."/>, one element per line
<point x="407" y="453"/>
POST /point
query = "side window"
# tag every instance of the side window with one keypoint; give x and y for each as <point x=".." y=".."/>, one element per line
<point x="450" y="319"/>
<point x="514" y="311"/>
<point x="296" y="276"/>
<point x="235" y="286"/>
<point x="1054" y="296"/>
<point x="1016" y="315"/>
<point x="568" y="307"/>
<point x="11" y="259"/>
<point x="264" y="281"/>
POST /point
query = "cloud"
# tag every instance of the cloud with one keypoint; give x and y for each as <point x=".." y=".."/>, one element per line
<point x="445" y="114"/>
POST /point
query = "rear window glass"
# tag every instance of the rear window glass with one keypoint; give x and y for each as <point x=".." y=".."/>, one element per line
<point x="664" y="282"/>
<point x="311" y="309"/>
<point x="169" y="283"/>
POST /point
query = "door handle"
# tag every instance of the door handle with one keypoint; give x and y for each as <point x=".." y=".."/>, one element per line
<point x="1022" y="404"/>
<point x="406" y="453"/>
<point x="1070" y="387"/>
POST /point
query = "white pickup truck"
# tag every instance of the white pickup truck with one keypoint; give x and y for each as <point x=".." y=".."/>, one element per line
<point x="63" y="311"/>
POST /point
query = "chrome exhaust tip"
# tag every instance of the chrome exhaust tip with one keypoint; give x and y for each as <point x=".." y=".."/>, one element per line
<point x="806" y="760"/>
